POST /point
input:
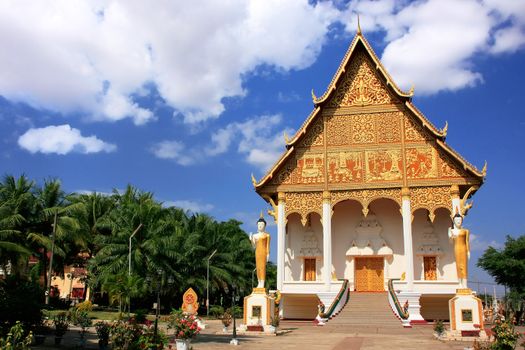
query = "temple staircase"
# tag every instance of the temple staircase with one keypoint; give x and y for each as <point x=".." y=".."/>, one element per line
<point x="367" y="309"/>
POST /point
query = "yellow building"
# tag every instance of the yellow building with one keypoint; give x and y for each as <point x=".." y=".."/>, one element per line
<point x="365" y="193"/>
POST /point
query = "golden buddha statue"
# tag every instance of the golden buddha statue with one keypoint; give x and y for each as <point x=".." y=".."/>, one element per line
<point x="461" y="248"/>
<point x="261" y="243"/>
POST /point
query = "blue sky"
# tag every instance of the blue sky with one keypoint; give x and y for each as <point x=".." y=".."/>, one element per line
<point x="187" y="102"/>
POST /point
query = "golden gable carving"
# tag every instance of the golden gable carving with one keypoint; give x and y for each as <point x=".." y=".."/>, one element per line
<point x="360" y="85"/>
<point x="314" y="136"/>
<point x="303" y="203"/>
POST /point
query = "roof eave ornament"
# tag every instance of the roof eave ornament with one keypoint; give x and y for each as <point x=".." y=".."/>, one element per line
<point x="445" y="130"/>
<point x="286" y="138"/>
<point x="314" y="98"/>
<point x="254" y="181"/>
<point x="411" y="91"/>
<point x="484" y="170"/>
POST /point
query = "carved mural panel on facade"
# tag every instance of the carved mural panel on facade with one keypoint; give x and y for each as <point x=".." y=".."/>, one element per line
<point x="337" y="130"/>
<point x="314" y="136"/>
<point x="414" y="132"/>
<point x="360" y="85"/>
<point x="430" y="198"/>
<point x="303" y="203"/>
<point x="303" y="168"/>
<point x="365" y="197"/>
<point x="421" y="163"/>
<point x="345" y="167"/>
<point x="383" y="165"/>
<point x="362" y="128"/>
<point x="389" y="127"/>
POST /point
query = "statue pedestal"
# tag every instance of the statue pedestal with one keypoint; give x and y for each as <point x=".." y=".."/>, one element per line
<point x="466" y="315"/>
<point x="259" y="308"/>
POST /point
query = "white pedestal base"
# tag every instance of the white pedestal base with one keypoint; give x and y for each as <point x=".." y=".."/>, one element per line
<point x="259" y="308"/>
<point x="466" y="313"/>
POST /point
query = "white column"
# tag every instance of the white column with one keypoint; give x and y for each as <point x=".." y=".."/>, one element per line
<point x="407" y="239"/>
<point x="281" y="235"/>
<point x="327" y="240"/>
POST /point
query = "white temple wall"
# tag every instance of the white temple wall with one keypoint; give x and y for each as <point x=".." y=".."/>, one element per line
<point x="446" y="266"/>
<point x="345" y="219"/>
<point x="295" y="233"/>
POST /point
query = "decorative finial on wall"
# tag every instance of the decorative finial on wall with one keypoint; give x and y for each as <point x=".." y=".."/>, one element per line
<point x="358" y="25"/>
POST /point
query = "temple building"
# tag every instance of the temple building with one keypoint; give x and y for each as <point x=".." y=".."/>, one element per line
<point x="363" y="195"/>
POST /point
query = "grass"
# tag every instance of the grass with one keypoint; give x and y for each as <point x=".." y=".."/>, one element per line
<point x="98" y="315"/>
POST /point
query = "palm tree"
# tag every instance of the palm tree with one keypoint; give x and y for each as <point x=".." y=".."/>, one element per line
<point x="56" y="229"/>
<point x="16" y="209"/>
<point x="122" y="287"/>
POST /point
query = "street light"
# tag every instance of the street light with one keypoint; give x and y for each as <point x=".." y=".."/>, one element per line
<point x="129" y="255"/>
<point x="160" y="275"/>
<point x="208" y="283"/>
<point x="235" y="298"/>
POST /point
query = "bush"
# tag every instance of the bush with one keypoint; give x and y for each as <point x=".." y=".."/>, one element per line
<point x="19" y="301"/>
<point x="16" y="338"/>
<point x="124" y="335"/>
<point x="103" y="330"/>
<point x="439" y="327"/>
<point x="505" y="337"/>
<point x="238" y="311"/>
<point x="61" y="324"/>
<point x="147" y="339"/>
<point x="140" y="315"/>
<point x="84" y="306"/>
<point x="216" y="311"/>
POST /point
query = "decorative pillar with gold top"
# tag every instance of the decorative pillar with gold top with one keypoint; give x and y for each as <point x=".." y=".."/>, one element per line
<point x="281" y="235"/>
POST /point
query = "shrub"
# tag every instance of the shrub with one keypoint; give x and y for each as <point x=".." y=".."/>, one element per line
<point x="147" y="339"/>
<point x="140" y="315"/>
<point x="505" y="337"/>
<point x="16" y="338"/>
<point x="103" y="330"/>
<point x="20" y="301"/>
<point x="439" y="327"/>
<point x="216" y="311"/>
<point x="124" y="335"/>
<point x="81" y="318"/>
<point x="61" y="323"/>
<point x="85" y="306"/>
<point x="184" y="326"/>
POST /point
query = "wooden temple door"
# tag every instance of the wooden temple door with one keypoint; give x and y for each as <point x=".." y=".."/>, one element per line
<point x="369" y="274"/>
<point x="309" y="270"/>
<point x="430" y="268"/>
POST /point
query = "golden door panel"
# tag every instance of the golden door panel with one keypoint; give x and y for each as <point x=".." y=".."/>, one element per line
<point x="309" y="270"/>
<point x="369" y="274"/>
<point x="430" y="267"/>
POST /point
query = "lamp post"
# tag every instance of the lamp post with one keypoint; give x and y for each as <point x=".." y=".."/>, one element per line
<point x="208" y="283"/>
<point x="129" y="254"/>
<point x="160" y="276"/>
<point x="253" y="272"/>
<point x="234" y="340"/>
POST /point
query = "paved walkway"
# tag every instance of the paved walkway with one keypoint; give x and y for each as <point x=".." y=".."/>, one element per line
<point x="305" y="336"/>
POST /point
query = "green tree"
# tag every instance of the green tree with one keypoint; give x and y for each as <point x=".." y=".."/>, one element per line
<point x="16" y="209"/>
<point x="507" y="265"/>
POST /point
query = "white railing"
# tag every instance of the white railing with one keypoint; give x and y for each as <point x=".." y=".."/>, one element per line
<point x="429" y="287"/>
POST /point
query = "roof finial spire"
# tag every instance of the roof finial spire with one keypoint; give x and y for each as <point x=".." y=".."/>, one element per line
<point x="358" y="25"/>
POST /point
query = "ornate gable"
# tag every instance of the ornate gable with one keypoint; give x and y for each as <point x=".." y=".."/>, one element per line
<point x="364" y="133"/>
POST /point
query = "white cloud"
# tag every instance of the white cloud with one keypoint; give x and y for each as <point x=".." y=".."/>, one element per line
<point x="259" y="139"/>
<point x="174" y="150"/>
<point x="62" y="139"/>
<point x="194" y="207"/>
<point x="431" y="44"/>
<point x="87" y="56"/>
<point x="479" y="245"/>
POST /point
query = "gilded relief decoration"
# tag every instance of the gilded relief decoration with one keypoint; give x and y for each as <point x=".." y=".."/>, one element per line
<point x="365" y="197"/>
<point x="314" y="136"/>
<point x="389" y="127"/>
<point x="430" y="198"/>
<point x="421" y="163"/>
<point x="303" y="203"/>
<point x="362" y="128"/>
<point x="447" y="168"/>
<point x="360" y="85"/>
<point x="337" y="130"/>
<point x="383" y="165"/>
<point x="305" y="168"/>
<point x="414" y="132"/>
<point x="345" y="167"/>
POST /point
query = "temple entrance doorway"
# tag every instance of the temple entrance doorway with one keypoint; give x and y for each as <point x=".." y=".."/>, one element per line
<point x="369" y="274"/>
<point x="309" y="270"/>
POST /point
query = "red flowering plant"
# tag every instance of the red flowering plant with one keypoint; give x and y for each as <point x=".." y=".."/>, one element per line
<point x="184" y="326"/>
